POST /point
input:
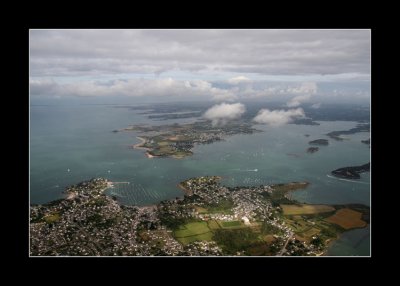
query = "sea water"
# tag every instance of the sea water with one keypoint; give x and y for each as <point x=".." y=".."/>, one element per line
<point x="72" y="143"/>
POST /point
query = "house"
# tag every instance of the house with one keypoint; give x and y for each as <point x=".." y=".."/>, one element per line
<point x="246" y="220"/>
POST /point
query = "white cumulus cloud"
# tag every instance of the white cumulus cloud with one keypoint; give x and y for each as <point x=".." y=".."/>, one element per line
<point x="220" y="114"/>
<point x="298" y="100"/>
<point x="278" y="117"/>
<point x="238" y="79"/>
<point x="305" y="87"/>
<point x="131" y="87"/>
<point x="305" y="91"/>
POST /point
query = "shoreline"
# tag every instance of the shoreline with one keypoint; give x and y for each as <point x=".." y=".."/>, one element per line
<point x="71" y="196"/>
<point x="139" y="145"/>
<point x="185" y="190"/>
<point x="148" y="155"/>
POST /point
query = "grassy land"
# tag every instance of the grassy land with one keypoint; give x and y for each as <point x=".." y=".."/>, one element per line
<point x="347" y="219"/>
<point x="201" y="210"/>
<point x="181" y="154"/>
<point x="200" y="237"/>
<point x="192" y="228"/>
<point x="306" y="209"/>
<point x="231" y="224"/>
<point x="193" y="231"/>
<point x="269" y="238"/>
<point x="243" y="239"/>
<point x="306" y="228"/>
<point x="52" y="218"/>
<point x="290" y="186"/>
<point x="224" y="207"/>
<point x="212" y="224"/>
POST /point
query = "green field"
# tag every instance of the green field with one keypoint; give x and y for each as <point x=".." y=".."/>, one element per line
<point x="193" y="231"/>
<point x="224" y="207"/>
<point x="201" y="237"/>
<point x="231" y="224"/>
<point x="212" y="224"/>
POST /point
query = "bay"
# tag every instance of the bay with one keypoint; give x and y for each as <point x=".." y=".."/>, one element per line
<point x="72" y="143"/>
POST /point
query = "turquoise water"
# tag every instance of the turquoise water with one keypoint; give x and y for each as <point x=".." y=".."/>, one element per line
<point x="69" y="144"/>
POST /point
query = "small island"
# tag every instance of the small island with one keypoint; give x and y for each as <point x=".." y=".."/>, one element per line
<point x="312" y="150"/>
<point x="209" y="220"/>
<point x="351" y="172"/>
<point x="368" y="141"/>
<point x="321" y="142"/>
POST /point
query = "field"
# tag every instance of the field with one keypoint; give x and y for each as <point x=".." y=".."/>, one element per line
<point x="194" y="231"/>
<point x="52" y="218"/>
<point x="231" y="224"/>
<point x="347" y="219"/>
<point x="201" y="237"/>
<point x="306" y="209"/>
<point x="224" y="207"/>
<point x="192" y="228"/>
<point x="201" y="210"/>
<point x="212" y="224"/>
<point x="290" y="186"/>
<point x="269" y="238"/>
<point x="311" y="232"/>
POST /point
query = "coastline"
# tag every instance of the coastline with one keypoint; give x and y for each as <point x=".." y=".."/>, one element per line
<point x="140" y="144"/>
<point x="71" y="196"/>
<point x="185" y="190"/>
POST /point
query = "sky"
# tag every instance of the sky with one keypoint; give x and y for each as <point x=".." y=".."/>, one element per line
<point x="221" y="66"/>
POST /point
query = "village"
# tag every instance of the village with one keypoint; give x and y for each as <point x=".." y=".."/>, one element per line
<point x="178" y="140"/>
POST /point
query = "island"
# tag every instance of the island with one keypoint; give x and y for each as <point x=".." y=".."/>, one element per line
<point x="178" y="140"/>
<point x="368" y="141"/>
<point x="351" y="172"/>
<point x="337" y="135"/>
<point x="169" y="116"/>
<point x="312" y="150"/>
<point x="209" y="220"/>
<point x="321" y="142"/>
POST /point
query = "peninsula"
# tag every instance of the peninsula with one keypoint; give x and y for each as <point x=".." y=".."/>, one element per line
<point x="210" y="219"/>
<point x="351" y="172"/>
<point x="178" y="140"/>
<point x="337" y="135"/>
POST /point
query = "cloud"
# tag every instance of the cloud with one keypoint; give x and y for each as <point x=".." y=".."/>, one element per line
<point x="278" y="117"/>
<point x="224" y="95"/>
<point x="306" y="89"/>
<point x="228" y="65"/>
<point x="267" y="52"/>
<point x="298" y="100"/>
<point x="131" y="87"/>
<point x="238" y="79"/>
<point x="220" y="114"/>
<point x="316" y="105"/>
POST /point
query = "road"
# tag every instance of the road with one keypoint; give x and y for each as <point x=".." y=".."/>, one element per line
<point x="284" y="247"/>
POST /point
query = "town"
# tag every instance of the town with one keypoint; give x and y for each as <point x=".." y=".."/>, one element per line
<point x="209" y="220"/>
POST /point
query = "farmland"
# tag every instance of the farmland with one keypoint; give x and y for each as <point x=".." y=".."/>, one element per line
<point x="347" y="218"/>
